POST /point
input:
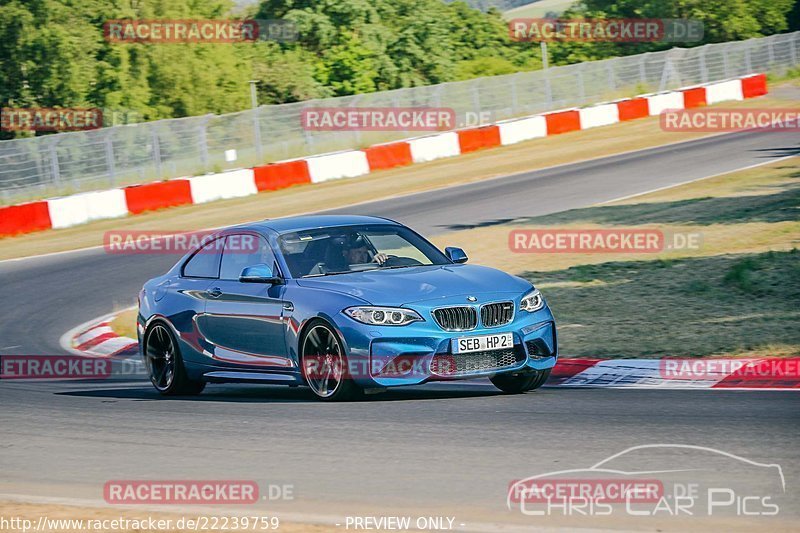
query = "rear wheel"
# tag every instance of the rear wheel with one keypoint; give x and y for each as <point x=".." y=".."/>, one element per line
<point x="324" y="364"/>
<point x="165" y="365"/>
<point x="518" y="382"/>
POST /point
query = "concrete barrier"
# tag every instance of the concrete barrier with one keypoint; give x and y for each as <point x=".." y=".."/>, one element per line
<point x="523" y="129"/>
<point x="338" y="165"/>
<point x="753" y="86"/>
<point x="599" y="115"/>
<point x="434" y="147"/>
<point x="383" y="156"/>
<point x="68" y="211"/>
<point x="473" y="139"/>
<point x="657" y="103"/>
<point x="563" y="121"/>
<point x="24" y="218"/>
<point x="152" y="196"/>
<point x="633" y="108"/>
<point x="281" y="175"/>
<point x="106" y="204"/>
<point x="694" y="97"/>
<point x="222" y="186"/>
<point x="725" y="91"/>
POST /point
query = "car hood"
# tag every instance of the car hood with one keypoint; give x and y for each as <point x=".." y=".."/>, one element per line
<point x="415" y="284"/>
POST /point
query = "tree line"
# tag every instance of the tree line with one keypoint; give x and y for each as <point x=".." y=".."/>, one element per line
<point x="53" y="53"/>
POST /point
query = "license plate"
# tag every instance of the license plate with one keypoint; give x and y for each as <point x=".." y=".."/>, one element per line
<point x="483" y="343"/>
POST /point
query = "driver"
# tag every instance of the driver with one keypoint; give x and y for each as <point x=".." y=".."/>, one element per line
<point x="356" y="252"/>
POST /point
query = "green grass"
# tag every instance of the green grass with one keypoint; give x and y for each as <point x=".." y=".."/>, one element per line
<point x="737" y="300"/>
<point x="745" y="303"/>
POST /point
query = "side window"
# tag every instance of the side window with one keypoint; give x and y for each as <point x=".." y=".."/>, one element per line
<point x="205" y="262"/>
<point x="242" y="251"/>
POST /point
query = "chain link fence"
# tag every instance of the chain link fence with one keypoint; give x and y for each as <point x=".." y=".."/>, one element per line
<point x="136" y="153"/>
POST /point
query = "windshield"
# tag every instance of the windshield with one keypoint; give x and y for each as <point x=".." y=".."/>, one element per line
<point x="329" y="251"/>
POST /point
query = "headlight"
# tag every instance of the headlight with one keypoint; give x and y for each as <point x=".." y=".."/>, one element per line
<point x="383" y="316"/>
<point x="533" y="301"/>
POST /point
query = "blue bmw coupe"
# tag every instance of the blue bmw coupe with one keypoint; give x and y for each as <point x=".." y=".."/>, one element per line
<point x="343" y="304"/>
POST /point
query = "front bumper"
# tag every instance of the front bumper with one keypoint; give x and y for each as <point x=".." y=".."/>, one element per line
<point x="386" y="356"/>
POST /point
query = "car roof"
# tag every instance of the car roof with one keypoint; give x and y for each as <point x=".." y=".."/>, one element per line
<point x="307" y="222"/>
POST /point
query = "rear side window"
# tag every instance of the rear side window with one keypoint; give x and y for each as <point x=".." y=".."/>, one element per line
<point x="245" y="250"/>
<point x="205" y="262"/>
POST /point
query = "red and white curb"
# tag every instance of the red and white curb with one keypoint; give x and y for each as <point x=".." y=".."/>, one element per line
<point x="68" y="211"/>
<point x="676" y="373"/>
<point x="96" y="339"/>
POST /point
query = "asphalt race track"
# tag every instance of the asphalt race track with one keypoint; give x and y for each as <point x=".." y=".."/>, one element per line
<point x="433" y="450"/>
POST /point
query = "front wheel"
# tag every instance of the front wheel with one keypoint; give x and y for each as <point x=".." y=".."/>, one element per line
<point x="165" y="365"/>
<point x="324" y="364"/>
<point x="518" y="382"/>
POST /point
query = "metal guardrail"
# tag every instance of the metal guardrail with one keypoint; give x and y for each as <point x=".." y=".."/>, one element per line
<point x="135" y="153"/>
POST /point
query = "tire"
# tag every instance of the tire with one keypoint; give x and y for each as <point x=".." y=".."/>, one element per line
<point x="324" y="364"/>
<point x="164" y="363"/>
<point x="515" y="383"/>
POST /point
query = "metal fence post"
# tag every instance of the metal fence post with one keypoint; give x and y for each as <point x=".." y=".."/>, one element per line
<point x="748" y="61"/>
<point x="665" y="73"/>
<point x="703" y="67"/>
<point x="54" y="168"/>
<point x="581" y="83"/>
<point x="109" y="146"/>
<point x="203" y="138"/>
<point x="514" y="96"/>
<point x="793" y="47"/>
<point x="156" y="150"/>
<point x="548" y="89"/>
<point x="257" y="135"/>
<point x="476" y="99"/>
<point x="643" y="69"/>
<point x="725" y="62"/>
<point x="612" y="82"/>
<point x="770" y="53"/>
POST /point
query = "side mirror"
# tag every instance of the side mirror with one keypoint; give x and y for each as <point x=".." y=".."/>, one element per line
<point x="456" y="255"/>
<point x="259" y="274"/>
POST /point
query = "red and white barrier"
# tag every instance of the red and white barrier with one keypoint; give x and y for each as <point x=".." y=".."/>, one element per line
<point x="223" y="186"/>
<point x="660" y="102"/>
<point x="85" y="207"/>
<point x="724" y="92"/>
<point x="599" y="115"/>
<point x="349" y="164"/>
<point x="434" y="147"/>
<point x="522" y="129"/>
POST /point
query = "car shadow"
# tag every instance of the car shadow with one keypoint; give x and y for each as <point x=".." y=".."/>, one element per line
<point x="248" y="393"/>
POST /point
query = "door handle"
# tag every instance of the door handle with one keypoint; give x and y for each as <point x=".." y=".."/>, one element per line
<point x="216" y="292"/>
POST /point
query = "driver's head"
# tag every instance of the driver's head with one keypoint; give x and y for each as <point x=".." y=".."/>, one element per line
<point x="356" y="250"/>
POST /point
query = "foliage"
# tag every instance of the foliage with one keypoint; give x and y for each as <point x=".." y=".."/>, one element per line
<point x="53" y="52"/>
